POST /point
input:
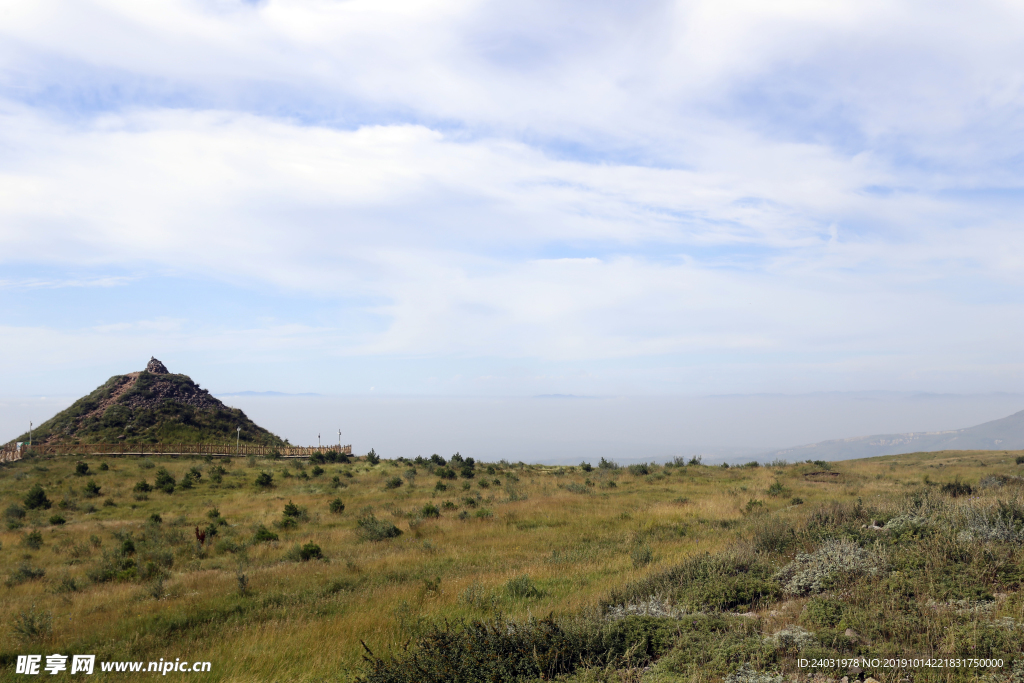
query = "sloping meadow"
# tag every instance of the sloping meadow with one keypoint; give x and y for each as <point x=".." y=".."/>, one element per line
<point x="452" y="570"/>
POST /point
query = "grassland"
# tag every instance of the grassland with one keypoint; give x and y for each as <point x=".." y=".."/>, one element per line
<point x="120" y="573"/>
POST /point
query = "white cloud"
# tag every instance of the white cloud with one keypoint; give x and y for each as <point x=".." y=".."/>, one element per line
<point x="535" y="180"/>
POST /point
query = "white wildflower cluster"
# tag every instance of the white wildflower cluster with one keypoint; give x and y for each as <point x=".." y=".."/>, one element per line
<point x="1000" y="522"/>
<point x="655" y="606"/>
<point x="747" y="674"/>
<point x="791" y="638"/>
<point x="907" y="521"/>
<point x="814" y="572"/>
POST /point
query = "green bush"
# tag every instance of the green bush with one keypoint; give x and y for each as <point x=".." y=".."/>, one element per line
<point x="165" y="481"/>
<point x="608" y="465"/>
<point x="23" y="573"/>
<point x="445" y="473"/>
<point x="372" y="529"/>
<point x="372" y="457"/>
<point x="639" y="469"/>
<point x="430" y="510"/>
<point x="521" y="587"/>
<point x="36" y="499"/>
<point x="142" y="487"/>
<point x="57" y="520"/>
<point x="317" y="471"/>
<point x="33" y="540"/>
<point x="393" y="483"/>
<point x="14" y="511"/>
<point x="585" y="466"/>
<point x="796" y="501"/>
<point x="310" y="551"/>
<point x="264" y="480"/>
<point x="293" y="511"/>
<point x="642" y="555"/>
<point x="263" y="535"/>
<point x="827" y="612"/>
<point x="104" y="467"/>
<point x="957" y="488"/>
<point x="92" y="490"/>
<point x="776" y="489"/>
<point x="481" y="652"/>
<point x="336" y="506"/>
<point x="81" y="468"/>
<point x="1020" y="460"/>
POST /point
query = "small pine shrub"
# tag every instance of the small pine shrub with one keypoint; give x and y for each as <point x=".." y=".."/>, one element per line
<point x="393" y="483"/>
<point x="796" y="501"/>
<point x="336" y="506"/>
<point x="372" y="457"/>
<point x="776" y="489"/>
<point x="155" y="518"/>
<point x="92" y="490"/>
<point x="81" y="468"/>
<point x="307" y="552"/>
<point x="317" y="471"/>
<point x="104" y="467"/>
<point x="430" y="510"/>
<point x="639" y="470"/>
<point x="264" y="480"/>
<point x="14" y="511"/>
<point x="1020" y="460"/>
<point x="585" y="466"/>
<point x="263" y="535"/>
<point x="36" y="499"/>
<point x="57" y="520"/>
<point x="165" y="481"/>
<point x="23" y="573"/>
<point x="608" y="464"/>
<point x="142" y="487"/>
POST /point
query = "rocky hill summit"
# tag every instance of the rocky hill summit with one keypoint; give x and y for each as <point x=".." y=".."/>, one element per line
<point x="151" y="406"/>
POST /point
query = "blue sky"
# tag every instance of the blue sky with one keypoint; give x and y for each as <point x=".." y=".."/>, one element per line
<point x="480" y="198"/>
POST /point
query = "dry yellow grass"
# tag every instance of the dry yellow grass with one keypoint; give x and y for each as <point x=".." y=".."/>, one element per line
<point x="303" y="621"/>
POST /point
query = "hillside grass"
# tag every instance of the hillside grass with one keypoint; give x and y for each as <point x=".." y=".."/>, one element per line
<point x="675" y="568"/>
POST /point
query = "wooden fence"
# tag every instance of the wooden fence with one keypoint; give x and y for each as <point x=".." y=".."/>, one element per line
<point x="222" y="450"/>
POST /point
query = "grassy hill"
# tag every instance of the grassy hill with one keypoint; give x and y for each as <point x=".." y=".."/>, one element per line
<point x="150" y="407"/>
<point x="683" y="572"/>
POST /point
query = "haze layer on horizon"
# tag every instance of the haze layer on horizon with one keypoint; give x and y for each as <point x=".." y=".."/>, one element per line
<point x="568" y="430"/>
<point x="500" y="199"/>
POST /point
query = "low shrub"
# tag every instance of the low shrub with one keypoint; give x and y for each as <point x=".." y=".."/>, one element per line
<point x="57" y="520"/>
<point x="33" y="540"/>
<point x="81" y="468"/>
<point x="92" y="490"/>
<point x="24" y="572"/>
<point x="372" y="529"/>
<point x="263" y="535"/>
<point x="956" y="488"/>
<point x="642" y="555"/>
<point x="336" y="506"/>
<point x="142" y="487"/>
<point x="264" y="480"/>
<point x="430" y="510"/>
<point x="521" y="587"/>
<point x="305" y="553"/>
<point x="393" y="483"/>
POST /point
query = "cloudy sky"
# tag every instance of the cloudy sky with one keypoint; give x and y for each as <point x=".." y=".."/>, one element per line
<point x="513" y="198"/>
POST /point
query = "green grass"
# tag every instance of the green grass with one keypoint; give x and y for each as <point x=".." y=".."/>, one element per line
<point x="673" y="570"/>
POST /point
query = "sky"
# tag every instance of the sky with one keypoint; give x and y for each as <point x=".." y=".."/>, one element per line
<point x="470" y="198"/>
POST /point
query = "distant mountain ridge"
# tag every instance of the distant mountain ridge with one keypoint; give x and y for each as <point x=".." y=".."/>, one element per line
<point x="151" y="406"/>
<point x="1005" y="434"/>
